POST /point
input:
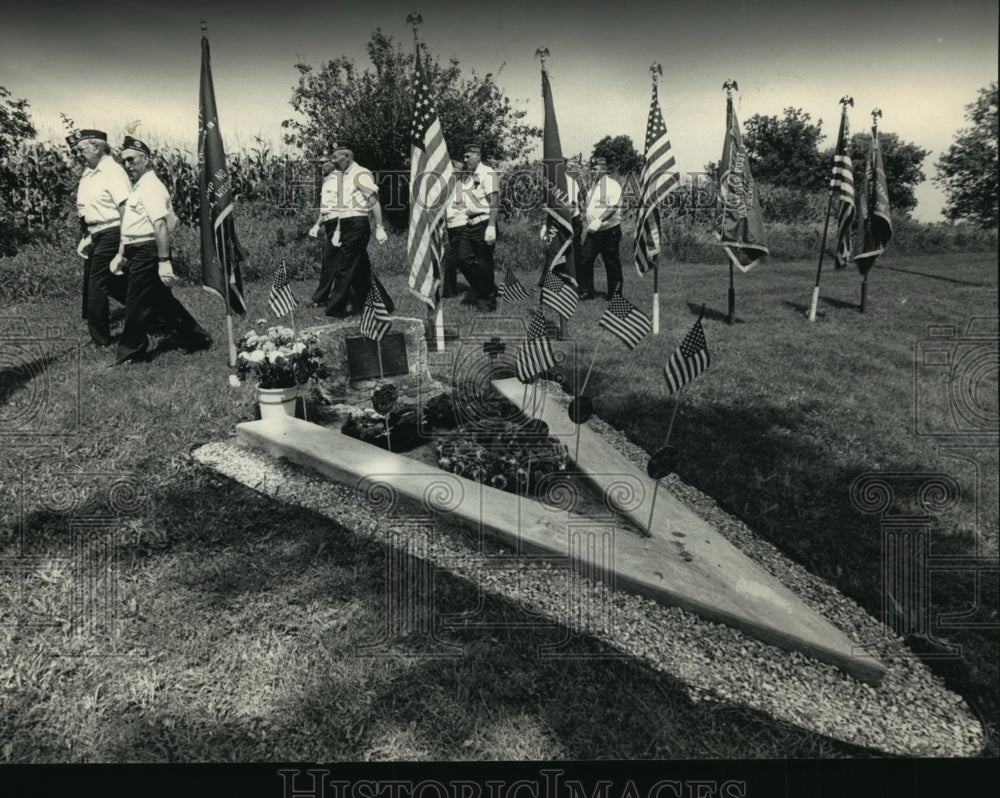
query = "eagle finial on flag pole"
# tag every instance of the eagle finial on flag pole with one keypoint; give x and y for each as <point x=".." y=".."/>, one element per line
<point x="656" y="72"/>
<point x="876" y="115"/>
<point x="846" y="100"/>
<point x="415" y="21"/>
<point x="730" y="86"/>
<point x="204" y="27"/>
<point x="541" y="54"/>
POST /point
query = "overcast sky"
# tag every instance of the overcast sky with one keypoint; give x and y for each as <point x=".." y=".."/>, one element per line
<point x="106" y="64"/>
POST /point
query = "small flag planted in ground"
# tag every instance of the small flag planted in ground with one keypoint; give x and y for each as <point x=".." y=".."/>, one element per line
<point x="375" y="320"/>
<point x="511" y="290"/>
<point x="689" y="359"/>
<point x="280" y="300"/>
<point x="535" y="354"/>
<point x="559" y="295"/>
<point x="625" y="321"/>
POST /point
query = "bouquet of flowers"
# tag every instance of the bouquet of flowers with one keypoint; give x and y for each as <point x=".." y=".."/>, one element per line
<point x="278" y="358"/>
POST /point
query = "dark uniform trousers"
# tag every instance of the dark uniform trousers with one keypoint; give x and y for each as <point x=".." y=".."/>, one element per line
<point x="99" y="284"/>
<point x="150" y="303"/>
<point x="459" y="259"/>
<point x="351" y="269"/>
<point x="480" y="262"/>
<point x="605" y="243"/>
<point x="327" y="259"/>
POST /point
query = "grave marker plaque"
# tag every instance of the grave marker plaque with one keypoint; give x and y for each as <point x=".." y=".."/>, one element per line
<point x="363" y="356"/>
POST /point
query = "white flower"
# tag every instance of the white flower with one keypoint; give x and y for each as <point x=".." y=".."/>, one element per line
<point x="256" y="356"/>
<point x="234" y="381"/>
<point x="298" y="348"/>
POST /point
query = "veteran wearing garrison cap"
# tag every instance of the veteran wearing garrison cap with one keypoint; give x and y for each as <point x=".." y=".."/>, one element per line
<point x="147" y="221"/>
<point x="459" y="257"/>
<point x="481" y="195"/>
<point x="356" y="202"/>
<point x="602" y="233"/>
<point x="102" y="191"/>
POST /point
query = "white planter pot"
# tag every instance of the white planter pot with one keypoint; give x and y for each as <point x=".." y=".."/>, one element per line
<point x="276" y="402"/>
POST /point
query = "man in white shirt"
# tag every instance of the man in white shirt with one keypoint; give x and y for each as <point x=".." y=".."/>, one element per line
<point x="147" y="220"/>
<point x="102" y="191"/>
<point x="481" y="194"/>
<point x="357" y="201"/>
<point x="602" y="234"/>
<point x="326" y="226"/>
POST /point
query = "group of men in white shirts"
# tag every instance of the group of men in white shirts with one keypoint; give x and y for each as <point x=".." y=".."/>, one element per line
<point x="126" y="218"/>
<point x="349" y="198"/>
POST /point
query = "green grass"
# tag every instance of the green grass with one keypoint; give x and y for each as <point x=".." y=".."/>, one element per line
<point x="238" y="618"/>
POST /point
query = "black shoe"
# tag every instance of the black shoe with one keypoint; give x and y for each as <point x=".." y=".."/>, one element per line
<point x="198" y="343"/>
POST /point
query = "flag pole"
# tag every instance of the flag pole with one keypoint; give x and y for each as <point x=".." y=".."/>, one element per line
<point x="729" y="85"/>
<point x="415" y="20"/>
<point x="826" y="222"/>
<point x="654" y="70"/>
<point x="876" y="113"/>
<point x="223" y="261"/>
<point x="670" y="428"/>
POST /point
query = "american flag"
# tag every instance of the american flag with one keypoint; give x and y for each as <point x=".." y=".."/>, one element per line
<point x="559" y="295"/>
<point x="842" y="185"/>
<point x="689" y="360"/>
<point x="625" y="321"/>
<point x="280" y="300"/>
<point x="658" y="180"/>
<point x="535" y="354"/>
<point x="511" y="290"/>
<point x="430" y="175"/>
<point x="375" y="320"/>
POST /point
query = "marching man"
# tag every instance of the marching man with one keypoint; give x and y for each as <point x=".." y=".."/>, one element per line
<point x="147" y="221"/>
<point x="603" y="233"/>
<point x="103" y="188"/>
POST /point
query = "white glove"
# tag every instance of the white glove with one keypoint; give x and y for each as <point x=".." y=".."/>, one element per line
<point x="167" y="276"/>
<point x="314" y="231"/>
<point x="594" y="226"/>
<point x="117" y="262"/>
<point x="335" y="241"/>
<point x="83" y="249"/>
<point x="380" y="235"/>
<point x="543" y="232"/>
<point x="491" y="234"/>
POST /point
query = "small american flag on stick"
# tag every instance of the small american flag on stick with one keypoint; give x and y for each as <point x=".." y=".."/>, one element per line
<point x="535" y="354"/>
<point x="625" y="321"/>
<point x="689" y="359"/>
<point x="280" y="300"/>
<point x="375" y="320"/>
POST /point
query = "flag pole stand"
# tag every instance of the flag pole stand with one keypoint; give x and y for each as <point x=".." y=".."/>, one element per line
<point x="656" y="300"/>
<point x="439" y="326"/>
<point x="864" y="294"/>
<point x="819" y="266"/>
<point x="381" y="376"/>
<point x="649" y="524"/>
<point x="223" y="254"/>
<point x="583" y="387"/>
<point x="732" y="295"/>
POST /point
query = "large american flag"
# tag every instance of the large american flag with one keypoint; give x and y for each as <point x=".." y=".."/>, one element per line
<point x="658" y="180"/>
<point x="559" y="295"/>
<point x="535" y="354"/>
<point x="280" y="300"/>
<point x="842" y="185"/>
<point x="689" y="359"/>
<point x="511" y="290"/>
<point x="430" y="178"/>
<point x="625" y="321"/>
<point x="375" y="319"/>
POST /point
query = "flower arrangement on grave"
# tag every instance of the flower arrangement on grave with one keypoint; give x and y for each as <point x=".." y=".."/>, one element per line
<point x="278" y="357"/>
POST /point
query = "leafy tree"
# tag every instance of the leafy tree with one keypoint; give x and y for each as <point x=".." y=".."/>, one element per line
<point x="373" y="108"/>
<point x="968" y="170"/>
<point x="620" y="153"/>
<point x="902" y="161"/>
<point x="15" y="123"/>
<point x="15" y="129"/>
<point x="785" y="152"/>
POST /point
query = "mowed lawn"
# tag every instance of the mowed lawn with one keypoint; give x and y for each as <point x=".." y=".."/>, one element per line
<point x="230" y="627"/>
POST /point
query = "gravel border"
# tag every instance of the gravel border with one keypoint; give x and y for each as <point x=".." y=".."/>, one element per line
<point x="910" y="713"/>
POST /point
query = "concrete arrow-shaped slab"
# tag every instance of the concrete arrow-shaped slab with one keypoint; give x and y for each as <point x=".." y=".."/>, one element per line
<point x="705" y="574"/>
